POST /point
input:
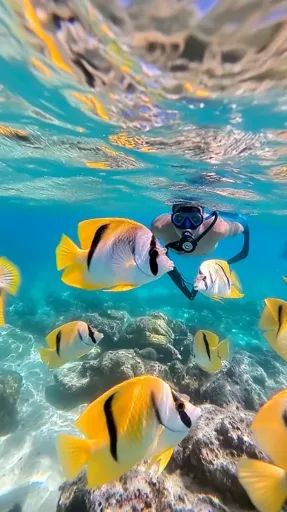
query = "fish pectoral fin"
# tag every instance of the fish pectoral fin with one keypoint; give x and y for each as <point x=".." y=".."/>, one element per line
<point x="73" y="453"/>
<point x="74" y="276"/>
<point x="9" y="276"/>
<point x="120" y="288"/>
<point x="223" y="350"/>
<point x="265" y="484"/>
<point x="50" y="358"/>
<point x="161" y="460"/>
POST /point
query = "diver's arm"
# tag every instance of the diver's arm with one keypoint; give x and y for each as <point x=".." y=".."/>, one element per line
<point x="178" y="280"/>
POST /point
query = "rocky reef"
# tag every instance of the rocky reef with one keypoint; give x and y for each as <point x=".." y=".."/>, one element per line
<point x="10" y="387"/>
<point x="201" y="476"/>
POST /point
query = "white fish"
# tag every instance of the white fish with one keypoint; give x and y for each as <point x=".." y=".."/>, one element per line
<point x="216" y="280"/>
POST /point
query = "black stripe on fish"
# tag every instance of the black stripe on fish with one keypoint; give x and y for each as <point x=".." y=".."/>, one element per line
<point x="111" y="426"/>
<point x="227" y="278"/>
<point x="79" y="334"/>
<point x="206" y="344"/>
<point x="284" y="417"/>
<point x="153" y="255"/>
<point x="157" y="413"/>
<point x="280" y="311"/>
<point x="58" y="342"/>
<point x="95" y="242"/>
<point x="91" y="334"/>
<point x="180" y="407"/>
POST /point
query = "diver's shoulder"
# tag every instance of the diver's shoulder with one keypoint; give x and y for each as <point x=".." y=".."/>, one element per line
<point x="162" y="221"/>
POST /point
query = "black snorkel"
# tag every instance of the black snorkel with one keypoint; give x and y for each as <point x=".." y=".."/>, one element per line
<point x="189" y="217"/>
<point x="243" y="253"/>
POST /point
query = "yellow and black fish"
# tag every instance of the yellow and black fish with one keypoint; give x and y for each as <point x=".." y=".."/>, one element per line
<point x="208" y="352"/>
<point x="273" y="322"/>
<point x="266" y="483"/>
<point x="115" y="255"/>
<point x="9" y="283"/>
<point x="69" y="342"/>
<point x="141" y="418"/>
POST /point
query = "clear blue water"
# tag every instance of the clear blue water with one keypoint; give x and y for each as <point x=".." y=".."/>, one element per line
<point x="46" y="189"/>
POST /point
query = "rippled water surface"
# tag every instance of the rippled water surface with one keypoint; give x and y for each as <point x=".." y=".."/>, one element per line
<point x="94" y="121"/>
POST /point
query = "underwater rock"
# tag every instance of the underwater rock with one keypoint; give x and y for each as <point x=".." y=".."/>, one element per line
<point x="10" y="387"/>
<point x="182" y="339"/>
<point x="111" y="323"/>
<point x="82" y="382"/>
<point x="210" y="454"/>
<point x="137" y="491"/>
<point x="150" y="331"/>
<point x="242" y="381"/>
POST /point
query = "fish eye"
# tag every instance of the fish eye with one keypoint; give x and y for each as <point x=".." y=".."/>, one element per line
<point x="180" y="406"/>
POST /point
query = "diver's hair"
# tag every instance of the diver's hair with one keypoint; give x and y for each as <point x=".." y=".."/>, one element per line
<point x="186" y="204"/>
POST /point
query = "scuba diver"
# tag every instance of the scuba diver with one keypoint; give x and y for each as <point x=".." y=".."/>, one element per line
<point x="190" y="230"/>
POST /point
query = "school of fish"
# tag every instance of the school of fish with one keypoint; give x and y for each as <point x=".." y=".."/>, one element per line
<point x="144" y="418"/>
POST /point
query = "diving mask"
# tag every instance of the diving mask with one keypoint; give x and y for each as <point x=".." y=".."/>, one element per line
<point x="187" y="216"/>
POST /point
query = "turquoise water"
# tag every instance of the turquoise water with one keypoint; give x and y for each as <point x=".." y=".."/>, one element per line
<point x="221" y="152"/>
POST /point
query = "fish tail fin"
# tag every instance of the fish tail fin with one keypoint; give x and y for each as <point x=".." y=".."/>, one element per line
<point x="223" y="350"/>
<point x="265" y="484"/>
<point x="67" y="253"/>
<point x="2" y="321"/>
<point x="50" y="358"/>
<point x="9" y="276"/>
<point x="73" y="453"/>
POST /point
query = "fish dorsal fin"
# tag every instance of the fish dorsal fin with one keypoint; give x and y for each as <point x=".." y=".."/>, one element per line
<point x="88" y="228"/>
<point x="265" y="484"/>
<point x="9" y="276"/>
<point x="225" y="266"/>
<point x="130" y="406"/>
<point x="270" y="429"/>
